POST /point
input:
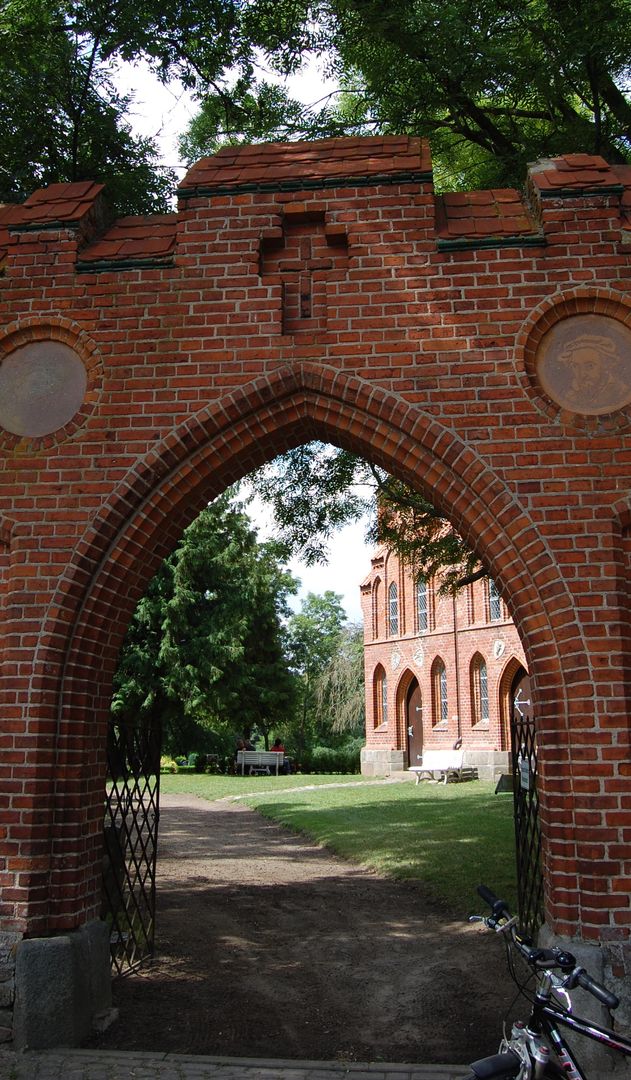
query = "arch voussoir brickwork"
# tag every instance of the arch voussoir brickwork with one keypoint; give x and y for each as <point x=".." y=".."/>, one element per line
<point x="149" y="517"/>
<point x="308" y="413"/>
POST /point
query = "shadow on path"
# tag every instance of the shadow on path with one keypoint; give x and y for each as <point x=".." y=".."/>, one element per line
<point x="268" y="946"/>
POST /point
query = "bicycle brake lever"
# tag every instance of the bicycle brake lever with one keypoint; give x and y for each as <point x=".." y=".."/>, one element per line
<point x="488" y="921"/>
<point x="492" y="923"/>
<point x="507" y="925"/>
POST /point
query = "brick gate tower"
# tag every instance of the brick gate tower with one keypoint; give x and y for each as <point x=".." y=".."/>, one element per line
<point x="476" y="345"/>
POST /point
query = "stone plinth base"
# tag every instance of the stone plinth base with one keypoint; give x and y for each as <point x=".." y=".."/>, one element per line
<point x="377" y="762"/>
<point x="491" y="764"/>
<point x="62" y="987"/>
<point x="595" y="1060"/>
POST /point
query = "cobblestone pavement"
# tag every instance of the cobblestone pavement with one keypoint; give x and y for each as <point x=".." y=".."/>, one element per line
<point x="114" y="1065"/>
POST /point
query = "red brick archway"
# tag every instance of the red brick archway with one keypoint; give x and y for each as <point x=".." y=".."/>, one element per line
<point x="476" y="345"/>
<point x="145" y="517"/>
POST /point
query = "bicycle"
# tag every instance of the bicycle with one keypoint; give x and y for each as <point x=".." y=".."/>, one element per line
<point x="536" y="1049"/>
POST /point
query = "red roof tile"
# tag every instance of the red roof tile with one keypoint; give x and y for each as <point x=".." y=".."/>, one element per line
<point x="495" y="215"/>
<point x="471" y="215"/>
<point x="235" y="166"/>
<point x="572" y="171"/>
<point x="134" y="238"/>
<point x="59" y="203"/>
<point x="10" y="214"/>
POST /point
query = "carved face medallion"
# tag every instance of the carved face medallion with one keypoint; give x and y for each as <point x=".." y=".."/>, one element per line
<point x="584" y="364"/>
<point x="42" y="385"/>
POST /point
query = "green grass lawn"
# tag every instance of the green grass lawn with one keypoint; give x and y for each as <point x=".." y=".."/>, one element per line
<point x="219" y="787"/>
<point x="450" y="837"/>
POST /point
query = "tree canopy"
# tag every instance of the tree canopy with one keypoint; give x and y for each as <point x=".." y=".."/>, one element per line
<point x="314" y="636"/>
<point x="316" y="489"/>
<point x="61" y="118"/>
<point x="340" y="692"/>
<point x="214" y="649"/>
<point x="493" y="84"/>
<point x="206" y="648"/>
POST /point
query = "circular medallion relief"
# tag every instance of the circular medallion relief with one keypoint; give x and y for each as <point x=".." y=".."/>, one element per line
<point x="42" y="385"/>
<point x="584" y="364"/>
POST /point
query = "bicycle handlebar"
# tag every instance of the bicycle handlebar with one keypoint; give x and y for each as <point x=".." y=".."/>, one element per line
<point x="553" y="958"/>
<point x="597" y="989"/>
<point x="498" y="907"/>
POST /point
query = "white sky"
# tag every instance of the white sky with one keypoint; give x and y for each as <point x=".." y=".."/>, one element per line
<point x="157" y="111"/>
<point x="348" y="565"/>
<point x="163" y="112"/>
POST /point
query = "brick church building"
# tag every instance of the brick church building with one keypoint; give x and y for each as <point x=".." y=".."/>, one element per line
<point x="439" y="669"/>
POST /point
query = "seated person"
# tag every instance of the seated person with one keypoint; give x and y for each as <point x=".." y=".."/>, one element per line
<point x="278" y="748"/>
<point x="242" y="744"/>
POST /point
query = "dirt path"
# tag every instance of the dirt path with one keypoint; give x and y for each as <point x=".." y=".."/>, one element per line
<point x="269" y="946"/>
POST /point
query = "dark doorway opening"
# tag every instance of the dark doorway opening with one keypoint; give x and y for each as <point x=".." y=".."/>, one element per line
<point x="414" y="722"/>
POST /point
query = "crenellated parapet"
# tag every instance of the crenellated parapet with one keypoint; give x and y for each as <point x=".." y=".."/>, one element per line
<point x="299" y="179"/>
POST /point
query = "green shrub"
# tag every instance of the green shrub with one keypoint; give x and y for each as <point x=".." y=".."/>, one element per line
<point x="197" y="761"/>
<point x="168" y="765"/>
<point x="328" y="759"/>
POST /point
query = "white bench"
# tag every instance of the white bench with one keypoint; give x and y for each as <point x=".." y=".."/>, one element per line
<point x="260" y="761"/>
<point x="448" y="764"/>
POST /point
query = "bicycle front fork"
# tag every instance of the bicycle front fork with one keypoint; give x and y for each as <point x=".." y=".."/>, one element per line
<point x="532" y="1051"/>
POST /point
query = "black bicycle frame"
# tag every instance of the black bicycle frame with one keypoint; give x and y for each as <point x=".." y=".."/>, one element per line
<point x="546" y="1016"/>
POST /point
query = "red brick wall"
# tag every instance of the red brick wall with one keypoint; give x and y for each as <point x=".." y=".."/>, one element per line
<point x="406" y="328"/>
<point x="459" y="631"/>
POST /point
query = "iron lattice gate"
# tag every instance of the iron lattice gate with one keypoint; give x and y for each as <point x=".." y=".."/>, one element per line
<point x="130" y="841"/>
<point x="527" y="827"/>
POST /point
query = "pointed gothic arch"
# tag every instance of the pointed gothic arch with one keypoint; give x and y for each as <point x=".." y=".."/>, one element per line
<point x="376" y="606"/>
<point x="144" y="517"/>
<point x="380" y="697"/>
<point x="463" y="393"/>
<point x="507" y="678"/>
<point x="408" y="701"/>
<point x="479" y="690"/>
